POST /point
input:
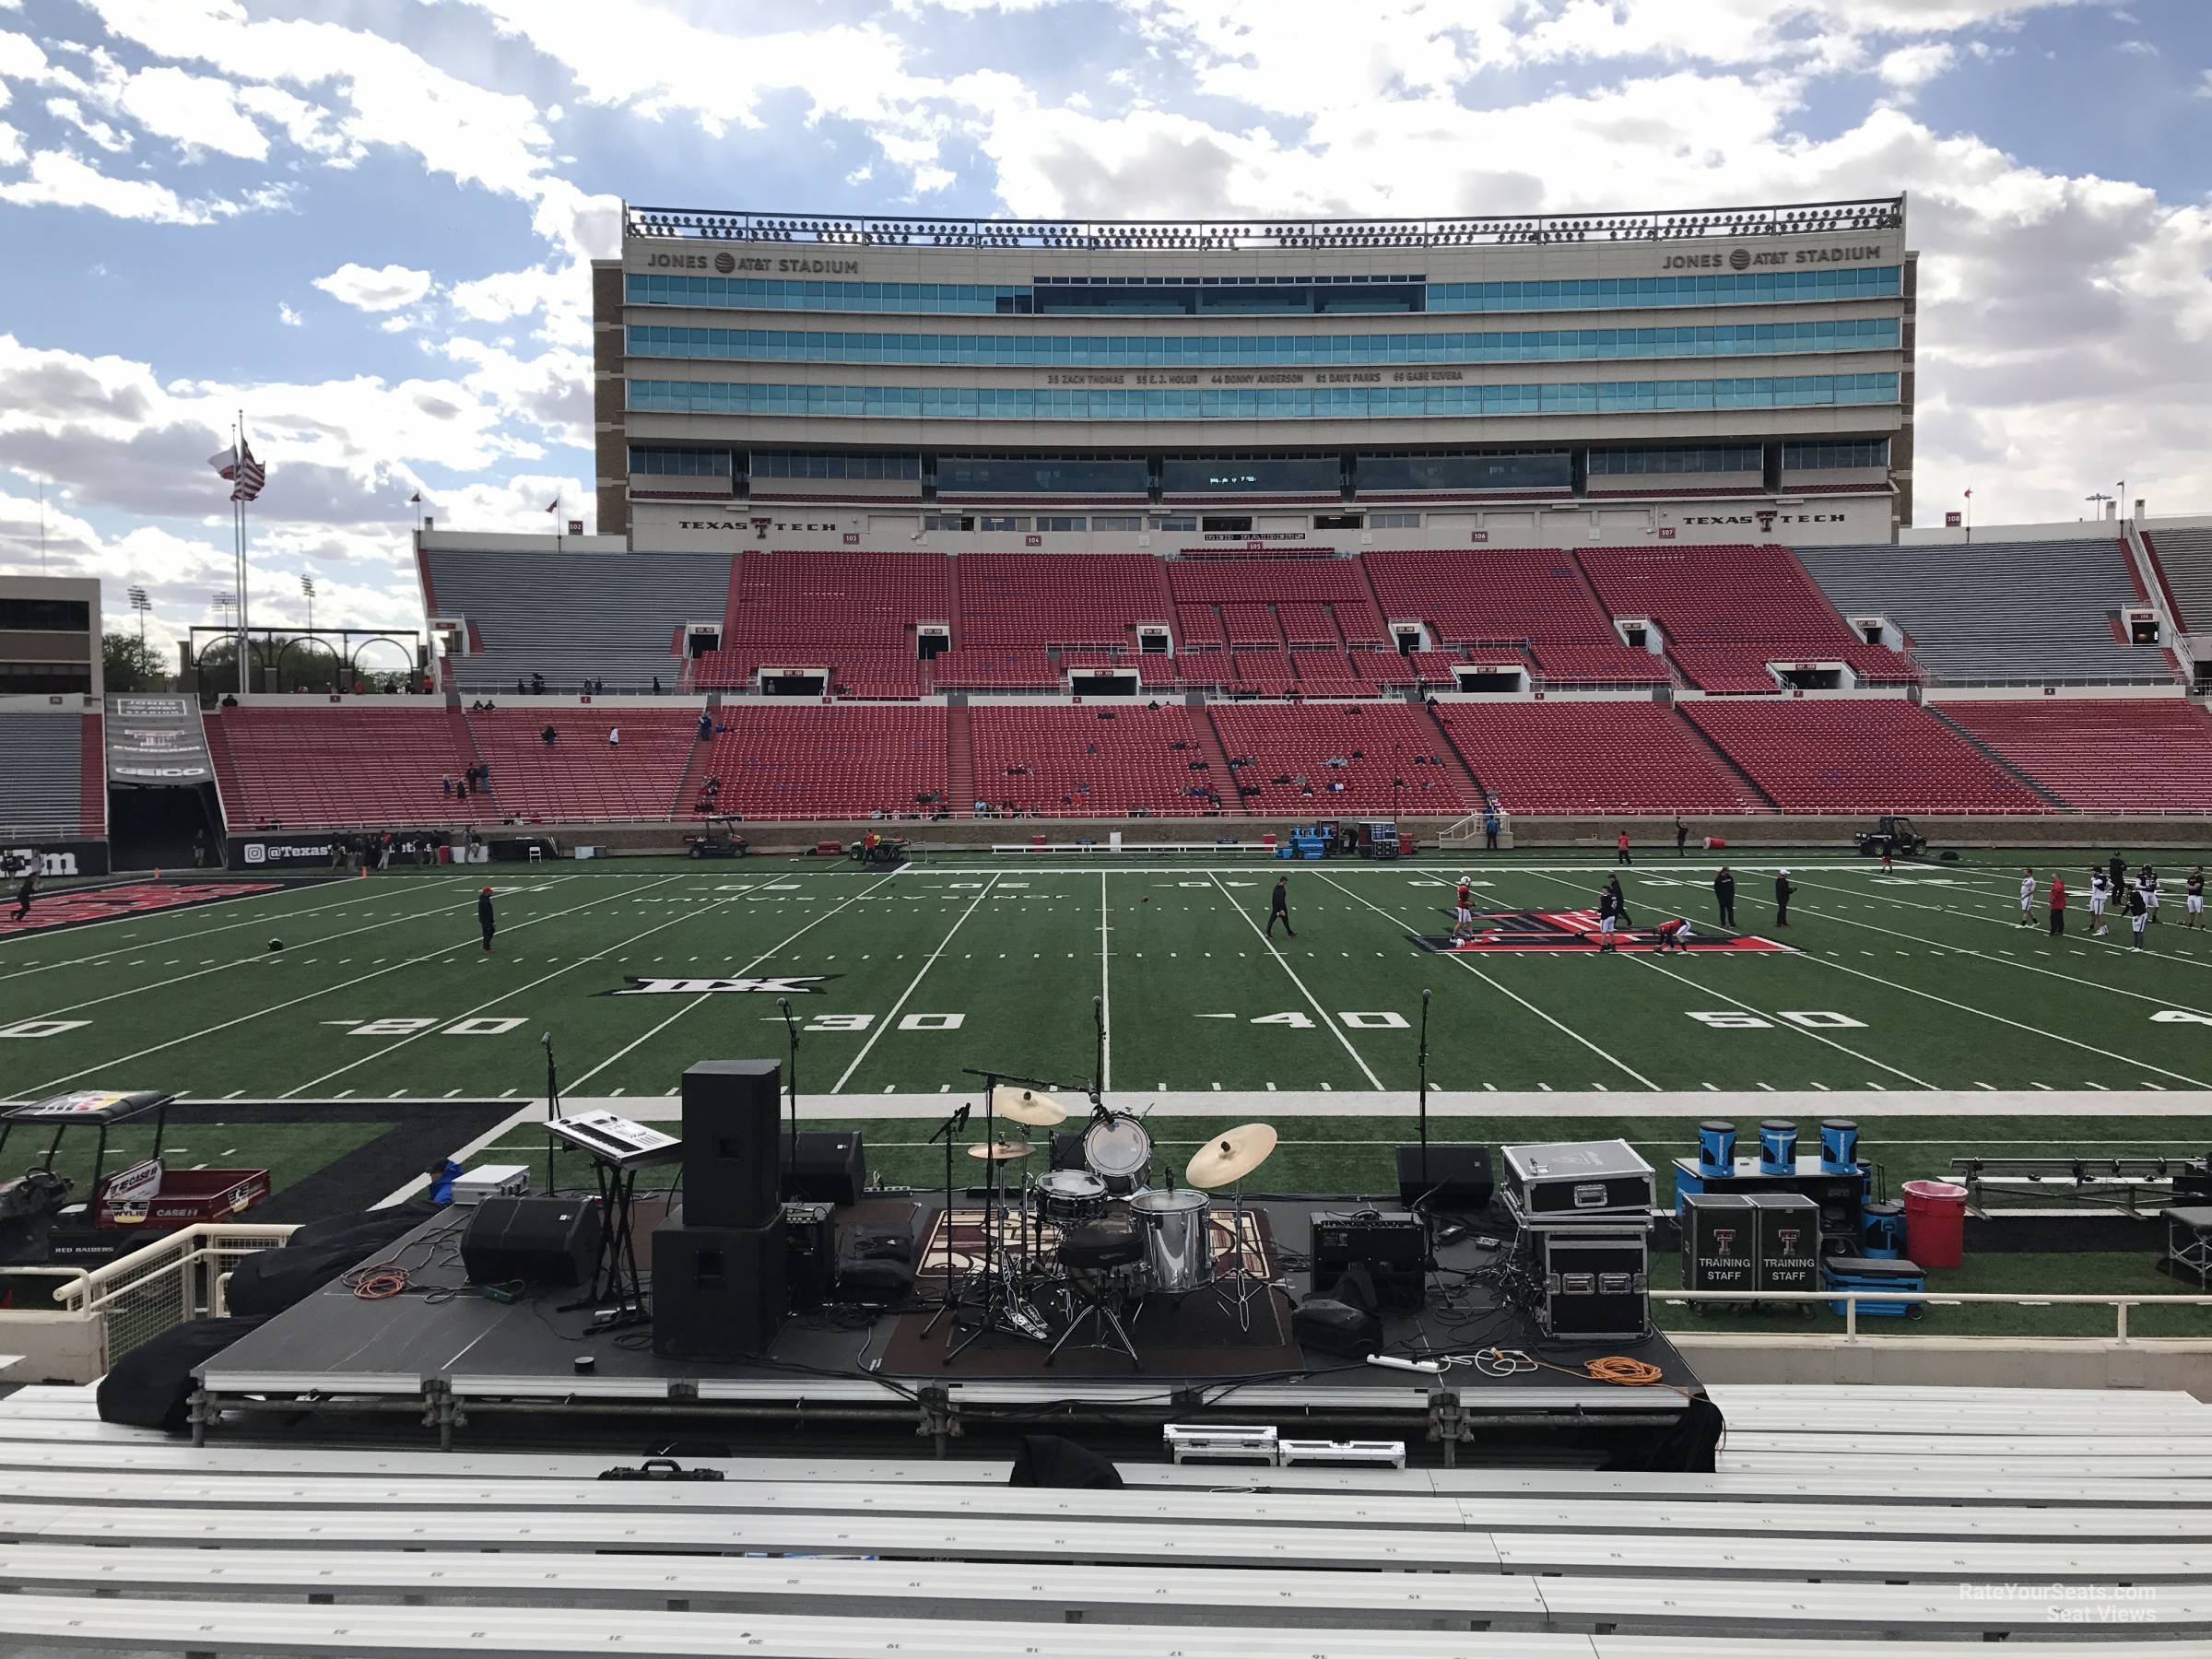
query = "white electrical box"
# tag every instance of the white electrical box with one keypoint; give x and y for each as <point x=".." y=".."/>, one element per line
<point x="490" y="1181"/>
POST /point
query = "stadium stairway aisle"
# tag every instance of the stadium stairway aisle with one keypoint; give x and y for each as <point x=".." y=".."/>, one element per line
<point x="1455" y="762"/>
<point x="1217" y="758"/>
<point x="960" y="756"/>
<point x="1995" y="758"/>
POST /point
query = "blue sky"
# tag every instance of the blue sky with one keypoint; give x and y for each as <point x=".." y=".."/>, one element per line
<point x="365" y="222"/>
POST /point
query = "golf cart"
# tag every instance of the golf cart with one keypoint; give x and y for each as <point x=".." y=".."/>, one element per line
<point x="40" y="1224"/>
<point x="876" y="848"/>
<point x="1891" y="837"/>
<point x="717" y="838"/>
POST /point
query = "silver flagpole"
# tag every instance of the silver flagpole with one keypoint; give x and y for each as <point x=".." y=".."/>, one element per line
<point x="245" y="569"/>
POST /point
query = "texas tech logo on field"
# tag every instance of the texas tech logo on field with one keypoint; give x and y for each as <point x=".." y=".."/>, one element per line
<point x="790" y="985"/>
<point x="1523" y="931"/>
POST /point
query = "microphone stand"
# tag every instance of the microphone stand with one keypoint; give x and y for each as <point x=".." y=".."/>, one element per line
<point x="552" y="1108"/>
<point x="1098" y="1068"/>
<point x="948" y="1132"/>
<point x="791" y="1170"/>
<point x="1421" y="1062"/>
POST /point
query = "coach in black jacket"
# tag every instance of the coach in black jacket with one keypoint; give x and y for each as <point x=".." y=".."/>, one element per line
<point x="1723" y="893"/>
<point x="1783" y="890"/>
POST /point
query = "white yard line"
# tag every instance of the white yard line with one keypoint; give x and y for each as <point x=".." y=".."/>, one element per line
<point x="248" y="960"/>
<point x="1707" y="990"/>
<point x="294" y="1002"/>
<point x="514" y="991"/>
<point x="1619" y="1065"/>
<point x="2127" y="1060"/>
<point x="1105" y="995"/>
<point x="1868" y="1106"/>
<point x="766" y="955"/>
<point x="928" y="962"/>
<point x="2012" y="922"/>
<point x="260" y="918"/>
<point x="1373" y="1082"/>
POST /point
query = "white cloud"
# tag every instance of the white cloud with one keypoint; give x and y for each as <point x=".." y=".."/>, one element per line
<point x="386" y="94"/>
<point x="287" y="316"/>
<point x="11" y="145"/>
<point x="59" y="180"/>
<point x="2137" y="48"/>
<point x="69" y="111"/>
<point x="193" y="109"/>
<point x="1909" y="68"/>
<point x="381" y="289"/>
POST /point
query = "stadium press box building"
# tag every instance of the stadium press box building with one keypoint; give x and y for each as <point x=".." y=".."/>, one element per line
<point x="1734" y="375"/>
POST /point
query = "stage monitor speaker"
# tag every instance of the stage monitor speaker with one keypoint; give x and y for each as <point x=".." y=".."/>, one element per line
<point x="718" y="1292"/>
<point x="731" y="1109"/>
<point x="1458" y="1180"/>
<point x="548" y="1242"/>
<point x="832" y="1167"/>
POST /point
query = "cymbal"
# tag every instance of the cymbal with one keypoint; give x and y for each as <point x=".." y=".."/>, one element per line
<point x="1026" y="1106"/>
<point x="1230" y="1156"/>
<point x="999" y="1151"/>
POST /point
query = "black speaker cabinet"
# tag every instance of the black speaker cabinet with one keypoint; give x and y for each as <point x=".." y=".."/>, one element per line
<point x="1458" y="1180"/>
<point x="718" y="1292"/>
<point x="832" y="1166"/>
<point x="810" y="1244"/>
<point x="731" y="1112"/>
<point x="548" y="1243"/>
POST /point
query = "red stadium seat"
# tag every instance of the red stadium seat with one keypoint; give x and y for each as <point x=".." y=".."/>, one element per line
<point x="354" y="764"/>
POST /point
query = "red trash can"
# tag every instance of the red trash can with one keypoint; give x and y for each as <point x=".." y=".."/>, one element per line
<point x="1935" y="1222"/>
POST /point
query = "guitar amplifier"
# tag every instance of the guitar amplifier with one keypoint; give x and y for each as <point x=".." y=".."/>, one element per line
<point x="1390" y="1245"/>
<point x="1564" y="1180"/>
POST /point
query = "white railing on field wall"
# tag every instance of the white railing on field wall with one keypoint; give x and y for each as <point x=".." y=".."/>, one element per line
<point x="173" y="1280"/>
<point x="1851" y="1300"/>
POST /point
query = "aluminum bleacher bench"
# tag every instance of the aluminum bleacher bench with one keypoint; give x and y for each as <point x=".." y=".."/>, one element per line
<point x="196" y="1628"/>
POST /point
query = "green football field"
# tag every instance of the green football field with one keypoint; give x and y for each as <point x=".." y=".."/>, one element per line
<point x="1912" y="981"/>
<point x="1913" y="1001"/>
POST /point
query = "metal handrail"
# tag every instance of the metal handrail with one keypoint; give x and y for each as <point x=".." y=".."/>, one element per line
<point x="1851" y="1298"/>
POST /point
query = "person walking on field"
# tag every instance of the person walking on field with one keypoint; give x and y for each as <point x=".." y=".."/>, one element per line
<point x="2100" y="892"/>
<point x="2058" y="906"/>
<point x="2027" y="896"/>
<point x="1620" y="850"/>
<point x="2138" y="912"/>
<point x="1681" y="838"/>
<point x="486" y="921"/>
<point x="1608" y="915"/>
<point x="29" y="891"/>
<point x="1278" y="908"/>
<point x="1463" y="915"/>
<point x="2193" y="892"/>
<point x="1783" y="887"/>
<point x="1724" y="893"/>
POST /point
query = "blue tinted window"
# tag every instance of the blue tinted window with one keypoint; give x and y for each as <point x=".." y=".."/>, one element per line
<point x="747" y="293"/>
<point x="1230" y="351"/>
<point x="1264" y="403"/>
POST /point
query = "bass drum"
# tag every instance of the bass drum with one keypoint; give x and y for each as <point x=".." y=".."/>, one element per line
<point x="1118" y="1150"/>
<point x="1178" y="1255"/>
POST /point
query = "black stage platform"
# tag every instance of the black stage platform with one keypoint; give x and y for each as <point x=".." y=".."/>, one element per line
<point x="443" y="1355"/>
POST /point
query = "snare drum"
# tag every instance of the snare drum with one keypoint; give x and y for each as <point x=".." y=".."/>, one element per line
<point x="1117" y="1149"/>
<point x="1068" y="1196"/>
<point x="1178" y="1253"/>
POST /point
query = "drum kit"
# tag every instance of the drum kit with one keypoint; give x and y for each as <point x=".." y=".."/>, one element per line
<point x="1098" y="1240"/>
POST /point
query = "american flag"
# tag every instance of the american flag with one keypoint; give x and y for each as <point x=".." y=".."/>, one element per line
<point x="245" y="475"/>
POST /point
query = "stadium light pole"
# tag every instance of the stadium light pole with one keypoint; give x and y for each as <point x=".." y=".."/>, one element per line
<point x="307" y="586"/>
<point x="2095" y="497"/>
<point x="141" y="603"/>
